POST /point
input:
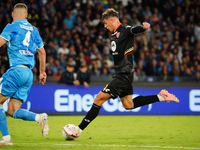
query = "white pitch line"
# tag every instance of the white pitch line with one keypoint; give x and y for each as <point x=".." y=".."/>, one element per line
<point x="107" y="145"/>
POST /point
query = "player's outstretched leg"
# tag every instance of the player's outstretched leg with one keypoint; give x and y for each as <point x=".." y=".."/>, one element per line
<point x="31" y="116"/>
<point x="6" y="139"/>
<point x="167" y="96"/>
<point x="43" y="122"/>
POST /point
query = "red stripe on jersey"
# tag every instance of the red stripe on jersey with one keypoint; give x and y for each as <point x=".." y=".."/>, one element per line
<point x="129" y="53"/>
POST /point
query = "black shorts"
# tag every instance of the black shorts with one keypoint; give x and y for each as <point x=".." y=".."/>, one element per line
<point x="120" y="85"/>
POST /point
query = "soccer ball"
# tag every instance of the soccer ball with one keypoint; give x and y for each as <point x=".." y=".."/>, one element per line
<point x="70" y="129"/>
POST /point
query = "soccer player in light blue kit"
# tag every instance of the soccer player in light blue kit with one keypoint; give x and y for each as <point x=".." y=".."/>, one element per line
<point x="22" y="40"/>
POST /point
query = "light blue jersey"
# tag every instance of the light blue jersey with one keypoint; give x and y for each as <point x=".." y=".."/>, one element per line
<point x="22" y="41"/>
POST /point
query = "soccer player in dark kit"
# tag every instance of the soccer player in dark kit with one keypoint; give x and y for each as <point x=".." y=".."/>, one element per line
<point x="121" y="85"/>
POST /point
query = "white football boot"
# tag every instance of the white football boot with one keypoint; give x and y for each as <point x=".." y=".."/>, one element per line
<point x="168" y="97"/>
<point x="74" y="131"/>
<point x="4" y="142"/>
<point x="43" y="122"/>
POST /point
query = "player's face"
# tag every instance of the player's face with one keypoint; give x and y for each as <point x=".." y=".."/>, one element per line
<point x="108" y="24"/>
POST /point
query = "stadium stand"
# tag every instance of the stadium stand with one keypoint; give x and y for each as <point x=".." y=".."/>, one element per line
<point x="73" y="32"/>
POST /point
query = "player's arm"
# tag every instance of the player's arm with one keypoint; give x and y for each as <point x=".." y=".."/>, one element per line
<point x="141" y="28"/>
<point x="2" y="41"/>
<point x="42" y="60"/>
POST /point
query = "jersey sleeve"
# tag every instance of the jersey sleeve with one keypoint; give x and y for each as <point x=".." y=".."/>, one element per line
<point x="39" y="43"/>
<point x="136" y="29"/>
<point x="7" y="32"/>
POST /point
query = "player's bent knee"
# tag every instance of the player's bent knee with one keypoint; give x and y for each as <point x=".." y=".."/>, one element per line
<point x="13" y="105"/>
<point x="101" y="98"/>
<point x="128" y="108"/>
<point x="10" y="112"/>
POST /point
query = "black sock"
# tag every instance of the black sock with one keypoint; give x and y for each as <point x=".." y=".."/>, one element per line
<point x="91" y="115"/>
<point x="144" y="100"/>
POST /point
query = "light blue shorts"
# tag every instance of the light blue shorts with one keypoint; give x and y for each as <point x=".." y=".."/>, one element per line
<point x="16" y="82"/>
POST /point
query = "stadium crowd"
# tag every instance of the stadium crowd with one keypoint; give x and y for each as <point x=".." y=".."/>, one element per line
<point x="74" y="35"/>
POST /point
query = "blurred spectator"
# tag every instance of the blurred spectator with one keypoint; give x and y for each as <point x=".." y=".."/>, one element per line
<point x="105" y="70"/>
<point x="164" y="74"/>
<point x="56" y="66"/>
<point x="139" y="75"/>
<point x="50" y="50"/>
<point x="83" y="75"/>
<point x="94" y="52"/>
<point x="69" y="20"/>
<point x="50" y="66"/>
<point x="72" y="61"/>
<point x="151" y="68"/>
<point x="147" y="12"/>
<point x="58" y="74"/>
<point x="55" y="44"/>
<point x="48" y="71"/>
<point x="64" y="49"/>
<point x="62" y="59"/>
<point x="73" y="31"/>
<point x="69" y="76"/>
<point x="94" y="68"/>
<point x="72" y="52"/>
<point x="175" y="71"/>
<point x="197" y="76"/>
<point x="197" y="31"/>
<point x="109" y="62"/>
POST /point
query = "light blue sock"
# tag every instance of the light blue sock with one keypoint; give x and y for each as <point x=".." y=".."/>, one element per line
<point x="3" y="122"/>
<point x="24" y="114"/>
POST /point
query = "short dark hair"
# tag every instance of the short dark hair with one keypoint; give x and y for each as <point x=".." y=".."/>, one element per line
<point x="69" y="64"/>
<point x="110" y="13"/>
<point x="21" y="5"/>
<point x="83" y="65"/>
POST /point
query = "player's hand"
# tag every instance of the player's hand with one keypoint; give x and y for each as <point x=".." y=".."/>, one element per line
<point x="146" y="25"/>
<point x="42" y="78"/>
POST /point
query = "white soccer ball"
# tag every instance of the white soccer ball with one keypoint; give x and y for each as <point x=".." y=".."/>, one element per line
<point x="68" y="129"/>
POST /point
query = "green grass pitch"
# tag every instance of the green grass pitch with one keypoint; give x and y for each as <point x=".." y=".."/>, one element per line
<point x="110" y="133"/>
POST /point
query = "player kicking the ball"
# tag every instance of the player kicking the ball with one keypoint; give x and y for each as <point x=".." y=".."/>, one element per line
<point x="121" y="84"/>
<point x="22" y="40"/>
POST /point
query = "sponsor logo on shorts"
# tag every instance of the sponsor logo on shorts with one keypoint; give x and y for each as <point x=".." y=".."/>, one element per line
<point x="107" y="90"/>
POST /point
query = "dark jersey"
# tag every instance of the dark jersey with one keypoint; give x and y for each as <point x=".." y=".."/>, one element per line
<point x="122" y="41"/>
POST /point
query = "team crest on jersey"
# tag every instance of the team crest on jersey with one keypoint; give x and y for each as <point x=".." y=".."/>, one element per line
<point x="113" y="46"/>
<point x="117" y="35"/>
